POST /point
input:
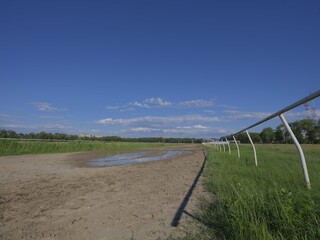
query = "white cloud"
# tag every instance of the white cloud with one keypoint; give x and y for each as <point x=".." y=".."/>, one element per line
<point x="158" y="102"/>
<point x="200" y="126"/>
<point x="17" y="126"/>
<point x="128" y="109"/>
<point x="181" y="131"/>
<point x="234" y="115"/>
<point x="151" y="103"/>
<point x="144" y="129"/>
<point x="40" y="127"/>
<point x="195" y="131"/>
<point x="4" y="117"/>
<point x="88" y="131"/>
<point x="240" y="115"/>
<point x="184" y="127"/>
<point x="199" y="103"/>
<point x="139" y="104"/>
<point x="56" y="126"/>
<point x="293" y="116"/>
<point x="157" y="121"/>
<point x="10" y="122"/>
<point x="37" y="123"/>
<point x="46" y="107"/>
<point x="225" y="106"/>
<point x="123" y="108"/>
<point x="169" y="126"/>
<point x="106" y="121"/>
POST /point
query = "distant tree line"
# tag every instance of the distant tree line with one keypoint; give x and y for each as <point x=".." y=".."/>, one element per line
<point x="306" y="131"/>
<point x="67" y="137"/>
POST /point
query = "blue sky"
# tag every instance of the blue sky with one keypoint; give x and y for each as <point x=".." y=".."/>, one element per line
<point x="155" y="68"/>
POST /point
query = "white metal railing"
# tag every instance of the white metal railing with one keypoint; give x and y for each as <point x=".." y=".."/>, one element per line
<point x="285" y="123"/>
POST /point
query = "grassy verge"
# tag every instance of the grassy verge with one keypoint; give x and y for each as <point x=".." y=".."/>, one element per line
<point x="13" y="147"/>
<point x="265" y="202"/>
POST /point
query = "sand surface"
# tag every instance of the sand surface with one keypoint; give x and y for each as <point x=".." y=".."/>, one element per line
<point x="57" y="196"/>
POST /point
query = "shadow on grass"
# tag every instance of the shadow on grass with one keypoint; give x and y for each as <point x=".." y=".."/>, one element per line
<point x="199" y="220"/>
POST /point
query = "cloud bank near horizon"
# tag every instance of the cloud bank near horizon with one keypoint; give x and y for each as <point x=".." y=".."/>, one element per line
<point x="189" y="118"/>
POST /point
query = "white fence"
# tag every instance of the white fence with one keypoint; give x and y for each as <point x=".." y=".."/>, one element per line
<point x="285" y="123"/>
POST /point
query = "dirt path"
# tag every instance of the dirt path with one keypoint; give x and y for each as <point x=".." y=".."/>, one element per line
<point x="55" y="196"/>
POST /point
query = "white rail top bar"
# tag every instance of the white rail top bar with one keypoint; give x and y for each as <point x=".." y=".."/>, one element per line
<point x="296" y="104"/>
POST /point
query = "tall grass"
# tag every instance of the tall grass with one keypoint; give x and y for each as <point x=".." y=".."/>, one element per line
<point x="265" y="202"/>
<point x="13" y="147"/>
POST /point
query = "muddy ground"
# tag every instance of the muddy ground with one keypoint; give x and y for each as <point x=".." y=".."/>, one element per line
<point x="57" y="196"/>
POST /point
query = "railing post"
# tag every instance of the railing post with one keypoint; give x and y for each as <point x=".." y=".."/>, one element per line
<point x="238" y="150"/>
<point x="254" y="149"/>
<point x="228" y="145"/>
<point x="222" y="142"/>
<point x="301" y="154"/>
<point x="224" y="147"/>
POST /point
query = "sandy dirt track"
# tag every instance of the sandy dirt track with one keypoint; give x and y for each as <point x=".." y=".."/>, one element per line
<point x="56" y="196"/>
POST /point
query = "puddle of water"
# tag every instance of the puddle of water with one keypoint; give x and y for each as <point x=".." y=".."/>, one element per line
<point x="134" y="158"/>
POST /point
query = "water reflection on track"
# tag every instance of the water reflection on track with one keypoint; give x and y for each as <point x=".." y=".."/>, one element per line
<point x="134" y="158"/>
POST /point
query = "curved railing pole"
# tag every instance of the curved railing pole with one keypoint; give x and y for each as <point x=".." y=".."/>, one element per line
<point x="301" y="154"/>
<point x="238" y="150"/>
<point x="254" y="149"/>
<point x="280" y="114"/>
<point x="224" y="147"/>
<point x="228" y="146"/>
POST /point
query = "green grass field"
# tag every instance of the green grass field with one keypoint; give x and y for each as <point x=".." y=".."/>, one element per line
<point x="265" y="202"/>
<point x="14" y="147"/>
